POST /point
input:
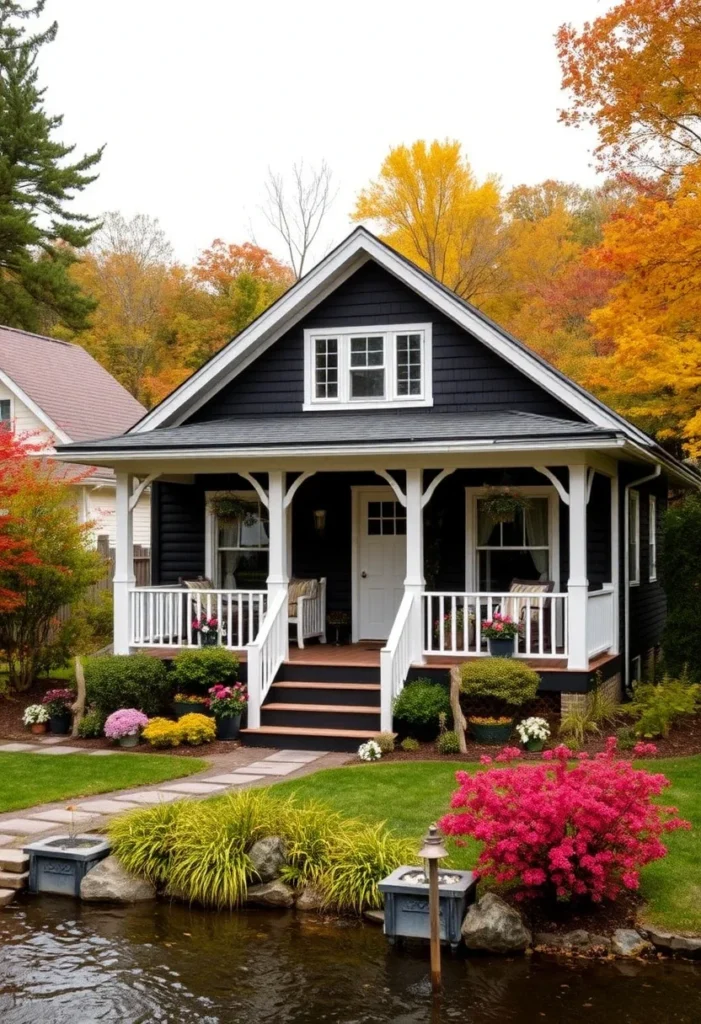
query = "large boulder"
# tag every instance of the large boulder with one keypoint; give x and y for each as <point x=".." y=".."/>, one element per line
<point x="271" y="894"/>
<point x="268" y="856"/>
<point x="495" y="927"/>
<point x="668" y="942"/>
<point x="108" y="882"/>
<point x="628" y="942"/>
<point x="310" y="899"/>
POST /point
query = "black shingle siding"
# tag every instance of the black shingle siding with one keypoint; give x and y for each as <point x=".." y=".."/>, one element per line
<point x="467" y="376"/>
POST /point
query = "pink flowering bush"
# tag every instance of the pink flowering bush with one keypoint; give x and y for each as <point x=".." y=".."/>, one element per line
<point x="500" y="627"/>
<point x="562" y="830"/>
<point x="125" y="722"/>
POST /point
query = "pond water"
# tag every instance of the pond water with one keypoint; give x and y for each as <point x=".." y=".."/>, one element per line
<point x="63" y="962"/>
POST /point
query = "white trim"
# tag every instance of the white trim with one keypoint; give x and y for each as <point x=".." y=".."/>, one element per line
<point x="636" y="665"/>
<point x="652" y="537"/>
<point x="615" y="562"/>
<point x="323" y="279"/>
<point x="557" y="484"/>
<point x="295" y="486"/>
<point x="140" y="488"/>
<point x="634" y="501"/>
<point x="11" y="400"/>
<point x="536" y="491"/>
<point x="44" y="418"/>
<point x="257" y="487"/>
<point x="431" y="489"/>
<point x="401" y="496"/>
<point x="389" y="333"/>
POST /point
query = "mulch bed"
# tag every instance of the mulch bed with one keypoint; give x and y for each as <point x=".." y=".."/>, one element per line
<point x="684" y="741"/>
<point x="599" y="919"/>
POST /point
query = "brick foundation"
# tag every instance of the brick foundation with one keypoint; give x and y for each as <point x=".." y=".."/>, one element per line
<point x="611" y="687"/>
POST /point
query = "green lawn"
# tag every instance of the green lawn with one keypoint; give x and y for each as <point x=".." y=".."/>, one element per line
<point x="410" y="795"/>
<point x="30" y="779"/>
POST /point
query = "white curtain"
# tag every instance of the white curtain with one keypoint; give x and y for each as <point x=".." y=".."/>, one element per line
<point x="537" y="534"/>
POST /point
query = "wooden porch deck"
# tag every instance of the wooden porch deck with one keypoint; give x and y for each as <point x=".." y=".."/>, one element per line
<point x="366" y="654"/>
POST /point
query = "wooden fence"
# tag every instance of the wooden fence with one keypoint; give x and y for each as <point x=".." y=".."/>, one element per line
<point x="142" y="571"/>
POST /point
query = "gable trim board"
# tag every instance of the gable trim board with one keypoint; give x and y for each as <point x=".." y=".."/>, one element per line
<point x="17" y="391"/>
<point x="337" y="267"/>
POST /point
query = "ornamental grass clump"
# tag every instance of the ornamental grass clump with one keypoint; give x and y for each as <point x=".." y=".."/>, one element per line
<point x="560" y="831"/>
<point x="361" y="857"/>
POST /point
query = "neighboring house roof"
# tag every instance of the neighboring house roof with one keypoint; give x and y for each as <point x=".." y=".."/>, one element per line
<point x="68" y="391"/>
<point x="342" y="429"/>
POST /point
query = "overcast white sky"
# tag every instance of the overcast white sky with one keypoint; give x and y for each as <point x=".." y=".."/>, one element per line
<point x="195" y="101"/>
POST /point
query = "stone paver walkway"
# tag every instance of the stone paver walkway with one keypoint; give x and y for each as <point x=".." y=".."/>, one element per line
<point x="242" y="768"/>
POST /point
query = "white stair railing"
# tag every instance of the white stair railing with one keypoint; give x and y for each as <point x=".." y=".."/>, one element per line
<point x="266" y="654"/>
<point x="396" y="658"/>
<point x="600" y="620"/>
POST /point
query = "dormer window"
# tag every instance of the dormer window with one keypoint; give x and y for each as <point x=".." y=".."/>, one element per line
<point x="368" y="367"/>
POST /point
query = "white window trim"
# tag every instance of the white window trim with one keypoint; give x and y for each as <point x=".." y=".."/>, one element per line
<point x="471" y="553"/>
<point x="210" y="533"/>
<point x="652" y="538"/>
<point x="636" y="668"/>
<point x="11" y="418"/>
<point x="390" y="332"/>
<point x="634" y="570"/>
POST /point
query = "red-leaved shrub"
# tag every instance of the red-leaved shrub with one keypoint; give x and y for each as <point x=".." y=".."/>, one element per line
<point x="564" y="830"/>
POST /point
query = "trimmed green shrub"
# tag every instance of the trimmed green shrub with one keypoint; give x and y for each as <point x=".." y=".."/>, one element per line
<point x="504" y="679"/>
<point x="419" y="706"/>
<point x="385" y="741"/>
<point x="92" y="725"/>
<point x="201" y="668"/>
<point x="117" y="681"/>
<point x="655" y="708"/>
<point x="448" y="743"/>
<point x="409" y="743"/>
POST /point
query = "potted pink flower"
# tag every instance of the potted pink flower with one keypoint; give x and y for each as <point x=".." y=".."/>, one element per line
<point x="58" y="704"/>
<point x="227" y="704"/>
<point x="125" y="726"/>
<point x="208" y="629"/>
<point x="501" y="633"/>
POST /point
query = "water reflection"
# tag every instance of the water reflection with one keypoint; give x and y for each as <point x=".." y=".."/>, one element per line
<point x="64" y="962"/>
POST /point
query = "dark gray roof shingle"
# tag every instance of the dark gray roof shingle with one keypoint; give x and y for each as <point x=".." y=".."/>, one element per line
<point x="339" y="429"/>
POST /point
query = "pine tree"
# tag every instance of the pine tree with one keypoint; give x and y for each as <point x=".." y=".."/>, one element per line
<point x="39" y="234"/>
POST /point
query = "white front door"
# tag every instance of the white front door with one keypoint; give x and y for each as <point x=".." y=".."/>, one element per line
<point x="380" y="561"/>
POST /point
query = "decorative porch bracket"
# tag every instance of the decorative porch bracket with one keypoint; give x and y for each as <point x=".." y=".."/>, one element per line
<point x="560" y="487"/>
<point x="140" y="488"/>
<point x="401" y="496"/>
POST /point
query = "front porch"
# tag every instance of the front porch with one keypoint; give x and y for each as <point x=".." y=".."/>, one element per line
<point x="406" y="554"/>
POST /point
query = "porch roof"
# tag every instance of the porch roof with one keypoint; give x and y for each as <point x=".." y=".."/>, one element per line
<point x="338" y="430"/>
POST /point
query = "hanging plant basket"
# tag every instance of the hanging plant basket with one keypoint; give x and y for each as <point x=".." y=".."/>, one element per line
<point x="228" y="508"/>
<point x="502" y="503"/>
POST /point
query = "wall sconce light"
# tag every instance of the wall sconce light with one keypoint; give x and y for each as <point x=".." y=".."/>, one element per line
<point x="319" y="519"/>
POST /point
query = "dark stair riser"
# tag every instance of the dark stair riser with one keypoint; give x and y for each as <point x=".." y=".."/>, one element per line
<point x="297" y="671"/>
<point x="287" y="742"/>
<point x="321" y="720"/>
<point x="300" y="695"/>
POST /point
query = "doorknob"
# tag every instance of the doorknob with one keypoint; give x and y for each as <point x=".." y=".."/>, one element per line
<point x="364" y="574"/>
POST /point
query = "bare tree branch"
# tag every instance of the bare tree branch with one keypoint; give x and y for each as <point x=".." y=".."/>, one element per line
<point x="297" y="209"/>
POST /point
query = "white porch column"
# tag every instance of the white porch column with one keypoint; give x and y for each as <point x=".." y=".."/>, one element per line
<point x="615" y="563"/>
<point x="277" y="533"/>
<point x="578" y="584"/>
<point x="414" y="582"/>
<point x="124" y="579"/>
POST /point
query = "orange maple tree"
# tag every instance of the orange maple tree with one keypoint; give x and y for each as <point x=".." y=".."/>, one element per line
<point x="16" y="554"/>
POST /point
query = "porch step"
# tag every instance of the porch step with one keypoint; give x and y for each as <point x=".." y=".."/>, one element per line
<point x="303" y="692"/>
<point x="306" y="738"/>
<point x="333" y="672"/>
<point x="327" y="716"/>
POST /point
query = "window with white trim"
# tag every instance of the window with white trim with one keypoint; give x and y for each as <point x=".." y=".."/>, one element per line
<point x="5" y="410"/>
<point x="652" y="538"/>
<point x="241" y="550"/>
<point x="634" y="537"/>
<point x="368" y="367"/>
<point x="519" y="549"/>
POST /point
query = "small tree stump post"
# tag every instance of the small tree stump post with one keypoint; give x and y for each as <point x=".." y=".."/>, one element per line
<point x="78" y="707"/>
<point x="459" y="721"/>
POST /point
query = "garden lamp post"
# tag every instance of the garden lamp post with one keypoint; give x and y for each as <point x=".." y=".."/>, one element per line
<point x="432" y="851"/>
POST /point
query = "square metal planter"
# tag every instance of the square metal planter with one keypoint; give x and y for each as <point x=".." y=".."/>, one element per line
<point x="406" y="903"/>
<point x="58" y="864"/>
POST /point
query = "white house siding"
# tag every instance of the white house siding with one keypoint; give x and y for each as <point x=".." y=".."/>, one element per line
<point x="23" y="418"/>
<point x="101" y="509"/>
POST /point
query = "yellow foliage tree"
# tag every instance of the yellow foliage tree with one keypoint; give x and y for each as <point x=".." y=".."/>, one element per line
<point x="431" y="208"/>
<point x="651" y="324"/>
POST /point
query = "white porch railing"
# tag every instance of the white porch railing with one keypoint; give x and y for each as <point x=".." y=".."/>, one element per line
<point x="452" y="623"/>
<point x="600" y="620"/>
<point x="266" y="654"/>
<point x="395" y="659"/>
<point x="164" y="616"/>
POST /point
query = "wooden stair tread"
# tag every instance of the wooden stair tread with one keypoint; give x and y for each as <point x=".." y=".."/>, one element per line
<point x="352" y="709"/>
<point x="292" y="685"/>
<point x="288" y="730"/>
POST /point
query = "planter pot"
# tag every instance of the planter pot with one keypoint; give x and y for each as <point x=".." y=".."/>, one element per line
<point x="184" y="707"/>
<point x="38" y="728"/>
<point x="491" y="733"/>
<point x="210" y="639"/>
<point x="59" y="863"/>
<point x="501" y="648"/>
<point x="129" y="741"/>
<point x="535" y="745"/>
<point x="60" y="725"/>
<point x="228" y="728"/>
<point x="406" y="903"/>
